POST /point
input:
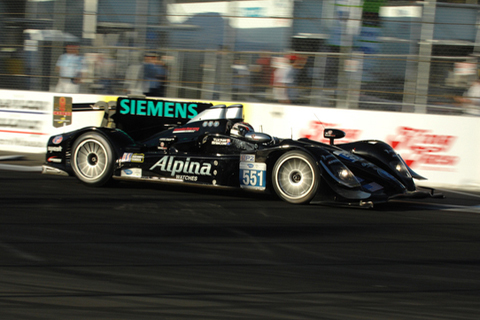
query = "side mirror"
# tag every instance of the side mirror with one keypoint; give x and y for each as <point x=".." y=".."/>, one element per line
<point x="258" y="137"/>
<point x="333" y="134"/>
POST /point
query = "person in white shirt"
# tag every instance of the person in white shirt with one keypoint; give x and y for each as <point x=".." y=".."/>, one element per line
<point x="471" y="99"/>
<point x="70" y="67"/>
<point x="281" y="79"/>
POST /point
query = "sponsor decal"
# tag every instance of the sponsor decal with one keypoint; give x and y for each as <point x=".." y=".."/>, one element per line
<point x="315" y="132"/>
<point x="127" y="157"/>
<point x="424" y="149"/>
<point x="186" y="178"/>
<point x="131" y="172"/>
<point x="174" y="166"/>
<point x="57" y="139"/>
<point x="186" y="130"/>
<point x="138" y="157"/>
<point x="158" y="108"/>
<point x="329" y="134"/>
<point x="133" y="157"/>
<point x="163" y="143"/>
<point x="221" y="142"/>
<point x="167" y="139"/>
<point x="62" y="111"/>
<point x="253" y="175"/>
<point x="54" y="159"/>
<point x="54" y="149"/>
<point x="247" y="158"/>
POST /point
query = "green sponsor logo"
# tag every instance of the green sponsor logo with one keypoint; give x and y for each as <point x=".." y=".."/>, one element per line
<point x="158" y="108"/>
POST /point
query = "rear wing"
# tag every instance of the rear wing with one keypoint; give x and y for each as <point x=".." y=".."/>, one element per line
<point x="142" y="117"/>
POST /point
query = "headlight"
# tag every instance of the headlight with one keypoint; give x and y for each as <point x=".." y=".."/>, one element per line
<point x="339" y="171"/>
<point x="400" y="167"/>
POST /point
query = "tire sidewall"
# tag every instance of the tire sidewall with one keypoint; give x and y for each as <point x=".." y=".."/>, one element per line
<point x="306" y="198"/>
<point x="107" y="173"/>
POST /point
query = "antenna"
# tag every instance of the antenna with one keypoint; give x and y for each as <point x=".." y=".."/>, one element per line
<point x="319" y="121"/>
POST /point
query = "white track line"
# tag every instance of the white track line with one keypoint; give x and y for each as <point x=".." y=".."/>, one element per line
<point x="14" y="167"/>
<point x="6" y="158"/>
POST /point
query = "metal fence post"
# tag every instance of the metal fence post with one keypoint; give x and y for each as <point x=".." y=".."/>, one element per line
<point x="355" y="79"/>
<point x="208" y="80"/>
<point x="60" y="8"/>
<point x="318" y="82"/>
<point x="174" y="73"/>
<point x="141" y="23"/>
<point x="424" y="56"/>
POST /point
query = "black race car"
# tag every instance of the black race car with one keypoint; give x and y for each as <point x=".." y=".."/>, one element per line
<point x="206" y="145"/>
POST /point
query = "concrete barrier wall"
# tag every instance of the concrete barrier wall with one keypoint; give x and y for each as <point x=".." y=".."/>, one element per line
<point x="442" y="148"/>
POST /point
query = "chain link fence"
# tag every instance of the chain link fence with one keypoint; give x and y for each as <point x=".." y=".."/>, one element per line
<point x="373" y="55"/>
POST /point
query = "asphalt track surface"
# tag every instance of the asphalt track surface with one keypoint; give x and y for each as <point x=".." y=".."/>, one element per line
<point x="146" y="251"/>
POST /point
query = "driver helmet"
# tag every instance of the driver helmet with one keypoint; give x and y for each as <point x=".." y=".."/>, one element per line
<point x="239" y="129"/>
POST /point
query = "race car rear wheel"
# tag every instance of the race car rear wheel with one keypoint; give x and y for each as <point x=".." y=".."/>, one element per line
<point x="295" y="177"/>
<point x="92" y="159"/>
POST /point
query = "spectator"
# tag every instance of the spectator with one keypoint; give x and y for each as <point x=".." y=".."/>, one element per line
<point x="471" y="99"/>
<point x="292" y="78"/>
<point x="281" y="80"/>
<point x="240" y="80"/>
<point x="70" y="67"/>
<point x="154" y="75"/>
<point x="105" y="68"/>
<point x="134" y="76"/>
<point x="263" y="74"/>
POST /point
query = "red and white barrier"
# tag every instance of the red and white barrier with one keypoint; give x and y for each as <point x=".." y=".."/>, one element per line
<point x="438" y="147"/>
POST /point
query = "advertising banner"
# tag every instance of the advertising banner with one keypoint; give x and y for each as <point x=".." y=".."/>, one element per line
<point x="435" y="146"/>
<point x="28" y="118"/>
<point x="439" y="147"/>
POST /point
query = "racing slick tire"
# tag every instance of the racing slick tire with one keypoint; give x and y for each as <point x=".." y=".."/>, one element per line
<point x="92" y="159"/>
<point x="295" y="177"/>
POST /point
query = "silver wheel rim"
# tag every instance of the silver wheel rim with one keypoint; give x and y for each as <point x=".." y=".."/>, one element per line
<point x="91" y="159"/>
<point x="295" y="177"/>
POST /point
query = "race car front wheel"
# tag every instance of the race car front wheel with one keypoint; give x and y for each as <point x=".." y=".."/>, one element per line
<point x="92" y="159"/>
<point x="295" y="177"/>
